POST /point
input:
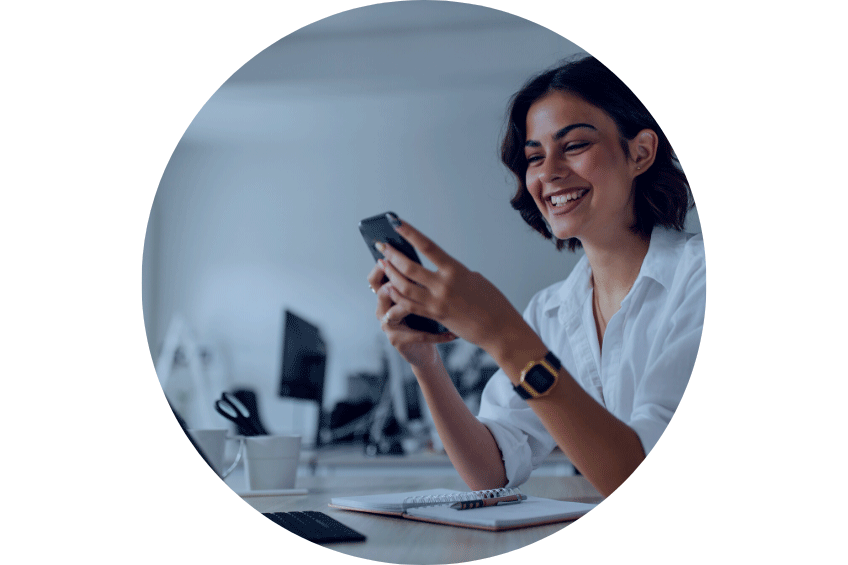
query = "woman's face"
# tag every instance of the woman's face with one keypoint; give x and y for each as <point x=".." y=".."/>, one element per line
<point x="577" y="171"/>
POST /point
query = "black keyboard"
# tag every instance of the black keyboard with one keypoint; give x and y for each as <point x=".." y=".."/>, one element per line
<point x="315" y="526"/>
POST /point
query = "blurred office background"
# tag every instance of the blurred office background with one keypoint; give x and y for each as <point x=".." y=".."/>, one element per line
<point x="389" y="107"/>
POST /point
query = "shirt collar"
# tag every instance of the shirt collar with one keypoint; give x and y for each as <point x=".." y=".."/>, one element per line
<point x="661" y="261"/>
<point x="574" y="291"/>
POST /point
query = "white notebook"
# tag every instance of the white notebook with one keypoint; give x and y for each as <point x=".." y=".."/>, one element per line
<point x="533" y="511"/>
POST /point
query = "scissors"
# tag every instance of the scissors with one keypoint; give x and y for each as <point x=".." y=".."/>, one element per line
<point x="233" y="410"/>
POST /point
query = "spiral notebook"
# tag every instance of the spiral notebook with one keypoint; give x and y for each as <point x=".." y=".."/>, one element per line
<point x="435" y="506"/>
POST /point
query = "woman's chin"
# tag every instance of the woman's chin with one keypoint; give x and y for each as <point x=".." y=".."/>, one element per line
<point x="561" y="233"/>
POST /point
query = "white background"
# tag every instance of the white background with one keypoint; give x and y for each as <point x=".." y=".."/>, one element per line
<point x="96" y="96"/>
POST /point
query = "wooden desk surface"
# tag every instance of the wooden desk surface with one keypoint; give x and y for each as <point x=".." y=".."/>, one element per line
<point x="396" y="540"/>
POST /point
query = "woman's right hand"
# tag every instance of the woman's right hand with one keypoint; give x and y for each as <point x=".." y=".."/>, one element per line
<point x="418" y="348"/>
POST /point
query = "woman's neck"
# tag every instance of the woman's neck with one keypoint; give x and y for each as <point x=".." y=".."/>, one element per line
<point x="615" y="265"/>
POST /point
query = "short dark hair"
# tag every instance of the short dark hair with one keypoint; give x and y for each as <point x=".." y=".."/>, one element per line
<point x="662" y="193"/>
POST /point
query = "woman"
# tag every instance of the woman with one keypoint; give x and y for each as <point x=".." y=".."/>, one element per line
<point x="598" y="363"/>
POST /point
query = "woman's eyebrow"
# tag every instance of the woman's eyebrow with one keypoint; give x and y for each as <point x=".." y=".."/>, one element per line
<point x="560" y="134"/>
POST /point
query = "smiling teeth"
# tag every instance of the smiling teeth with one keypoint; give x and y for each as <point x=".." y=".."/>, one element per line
<point x="561" y="199"/>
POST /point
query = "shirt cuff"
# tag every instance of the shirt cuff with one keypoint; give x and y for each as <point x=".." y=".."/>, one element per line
<point x="515" y="452"/>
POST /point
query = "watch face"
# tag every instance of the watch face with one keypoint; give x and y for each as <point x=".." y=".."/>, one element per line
<point x="539" y="378"/>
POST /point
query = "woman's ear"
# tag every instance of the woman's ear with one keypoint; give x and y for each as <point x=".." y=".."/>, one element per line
<point x="643" y="150"/>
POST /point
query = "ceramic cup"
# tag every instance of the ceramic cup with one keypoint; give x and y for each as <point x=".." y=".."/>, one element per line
<point x="271" y="461"/>
<point x="213" y="445"/>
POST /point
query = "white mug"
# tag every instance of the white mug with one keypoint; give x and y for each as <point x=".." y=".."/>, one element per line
<point x="271" y="461"/>
<point x="212" y="444"/>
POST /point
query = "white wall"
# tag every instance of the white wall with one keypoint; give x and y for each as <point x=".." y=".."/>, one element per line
<point x="391" y="107"/>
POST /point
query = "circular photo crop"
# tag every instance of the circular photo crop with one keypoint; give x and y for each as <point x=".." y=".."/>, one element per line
<point x="421" y="272"/>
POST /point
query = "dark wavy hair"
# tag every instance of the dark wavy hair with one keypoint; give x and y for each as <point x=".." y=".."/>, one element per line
<point x="662" y="193"/>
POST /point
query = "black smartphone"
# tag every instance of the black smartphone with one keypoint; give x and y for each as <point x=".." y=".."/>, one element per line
<point x="377" y="228"/>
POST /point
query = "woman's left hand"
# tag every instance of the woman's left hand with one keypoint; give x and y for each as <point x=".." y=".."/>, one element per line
<point x="462" y="300"/>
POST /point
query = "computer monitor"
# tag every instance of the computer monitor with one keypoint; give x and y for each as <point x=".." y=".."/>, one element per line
<point x="304" y="360"/>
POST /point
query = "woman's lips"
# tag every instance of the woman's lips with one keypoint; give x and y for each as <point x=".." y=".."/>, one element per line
<point x="564" y="203"/>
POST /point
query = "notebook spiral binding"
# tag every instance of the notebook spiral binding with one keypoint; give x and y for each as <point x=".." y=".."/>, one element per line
<point x="471" y="496"/>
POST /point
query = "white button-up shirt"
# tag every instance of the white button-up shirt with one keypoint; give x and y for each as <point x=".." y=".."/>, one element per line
<point x="649" y="350"/>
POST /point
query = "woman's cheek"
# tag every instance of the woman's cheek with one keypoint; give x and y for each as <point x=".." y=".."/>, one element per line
<point x="533" y="186"/>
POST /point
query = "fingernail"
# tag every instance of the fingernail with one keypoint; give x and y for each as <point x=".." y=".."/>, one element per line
<point x="372" y="289"/>
<point x="380" y="246"/>
<point x="394" y="220"/>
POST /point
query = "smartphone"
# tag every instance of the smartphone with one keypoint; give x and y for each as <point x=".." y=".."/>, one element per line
<point x="377" y="228"/>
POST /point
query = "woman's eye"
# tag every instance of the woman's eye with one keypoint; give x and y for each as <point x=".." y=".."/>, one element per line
<point x="533" y="158"/>
<point x="576" y="145"/>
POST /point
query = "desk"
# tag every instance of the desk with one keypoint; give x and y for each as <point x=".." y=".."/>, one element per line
<point x="396" y="540"/>
<point x="351" y="460"/>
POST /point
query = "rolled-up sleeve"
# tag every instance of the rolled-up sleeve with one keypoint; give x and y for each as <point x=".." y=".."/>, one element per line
<point x="522" y="439"/>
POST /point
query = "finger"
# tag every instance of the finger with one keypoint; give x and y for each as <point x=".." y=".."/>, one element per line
<point x="402" y="285"/>
<point x="376" y="277"/>
<point x="409" y="306"/>
<point x="443" y="337"/>
<point x="393" y="317"/>
<point x="405" y="334"/>
<point x="401" y="333"/>
<point x="424" y="245"/>
<point x="384" y="301"/>
<point x="409" y="268"/>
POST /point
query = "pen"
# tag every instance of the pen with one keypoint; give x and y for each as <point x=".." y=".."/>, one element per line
<point x="499" y="501"/>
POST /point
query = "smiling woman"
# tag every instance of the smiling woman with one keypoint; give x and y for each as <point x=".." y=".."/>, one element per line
<point x="598" y="363"/>
<point x="577" y="174"/>
<point x="661" y="194"/>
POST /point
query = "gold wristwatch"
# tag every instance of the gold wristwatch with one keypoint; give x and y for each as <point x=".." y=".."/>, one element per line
<point x="538" y="377"/>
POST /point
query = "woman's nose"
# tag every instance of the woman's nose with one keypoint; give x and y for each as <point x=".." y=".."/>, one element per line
<point x="552" y="169"/>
